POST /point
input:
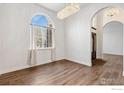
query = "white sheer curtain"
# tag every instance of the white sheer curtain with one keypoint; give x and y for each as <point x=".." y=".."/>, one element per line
<point x="40" y="38"/>
<point x="32" y="50"/>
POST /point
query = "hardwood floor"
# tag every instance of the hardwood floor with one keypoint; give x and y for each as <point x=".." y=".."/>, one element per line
<point x="107" y="72"/>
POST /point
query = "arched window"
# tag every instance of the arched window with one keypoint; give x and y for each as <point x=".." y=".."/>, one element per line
<point x="40" y="20"/>
<point x="42" y="32"/>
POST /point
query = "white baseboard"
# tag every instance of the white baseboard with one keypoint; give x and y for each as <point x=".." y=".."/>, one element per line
<point x="119" y="54"/>
<point x="80" y="62"/>
<point x="20" y="68"/>
<point x="13" y="69"/>
<point x="27" y="66"/>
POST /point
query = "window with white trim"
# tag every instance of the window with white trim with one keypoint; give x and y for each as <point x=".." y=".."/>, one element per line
<point x="42" y="29"/>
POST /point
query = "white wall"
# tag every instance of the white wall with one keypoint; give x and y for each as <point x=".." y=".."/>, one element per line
<point x="77" y="38"/>
<point x="99" y="37"/>
<point x="14" y="36"/>
<point x="78" y="34"/>
<point x="113" y="38"/>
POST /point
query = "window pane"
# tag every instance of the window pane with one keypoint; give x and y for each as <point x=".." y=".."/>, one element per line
<point x="39" y="20"/>
<point x="49" y="37"/>
<point x="42" y="32"/>
<point x="37" y="36"/>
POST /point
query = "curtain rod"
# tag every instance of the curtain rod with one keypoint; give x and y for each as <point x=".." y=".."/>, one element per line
<point x="43" y="26"/>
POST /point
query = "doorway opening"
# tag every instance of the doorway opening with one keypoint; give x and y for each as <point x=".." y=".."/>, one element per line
<point x="93" y="45"/>
<point x="99" y="41"/>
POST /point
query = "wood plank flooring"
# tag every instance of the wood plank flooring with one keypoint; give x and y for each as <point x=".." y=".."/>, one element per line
<point x="107" y="72"/>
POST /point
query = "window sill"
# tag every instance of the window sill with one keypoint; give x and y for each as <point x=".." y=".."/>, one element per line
<point x="45" y="48"/>
<point x="48" y="48"/>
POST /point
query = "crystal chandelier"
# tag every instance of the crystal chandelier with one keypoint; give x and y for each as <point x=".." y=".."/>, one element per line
<point x="112" y="12"/>
<point x="69" y="10"/>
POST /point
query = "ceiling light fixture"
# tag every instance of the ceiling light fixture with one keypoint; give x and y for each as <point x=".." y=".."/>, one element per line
<point x="69" y="10"/>
<point x="112" y="12"/>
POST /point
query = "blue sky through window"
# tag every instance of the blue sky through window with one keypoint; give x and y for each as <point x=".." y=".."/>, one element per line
<point x="39" y="20"/>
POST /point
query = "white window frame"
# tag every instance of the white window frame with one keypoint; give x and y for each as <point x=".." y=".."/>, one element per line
<point x="32" y="39"/>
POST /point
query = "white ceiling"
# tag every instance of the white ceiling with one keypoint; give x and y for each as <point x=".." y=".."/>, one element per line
<point x="55" y="6"/>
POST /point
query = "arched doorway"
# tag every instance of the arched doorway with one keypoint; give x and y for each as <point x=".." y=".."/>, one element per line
<point x="99" y="20"/>
<point x="113" y="38"/>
